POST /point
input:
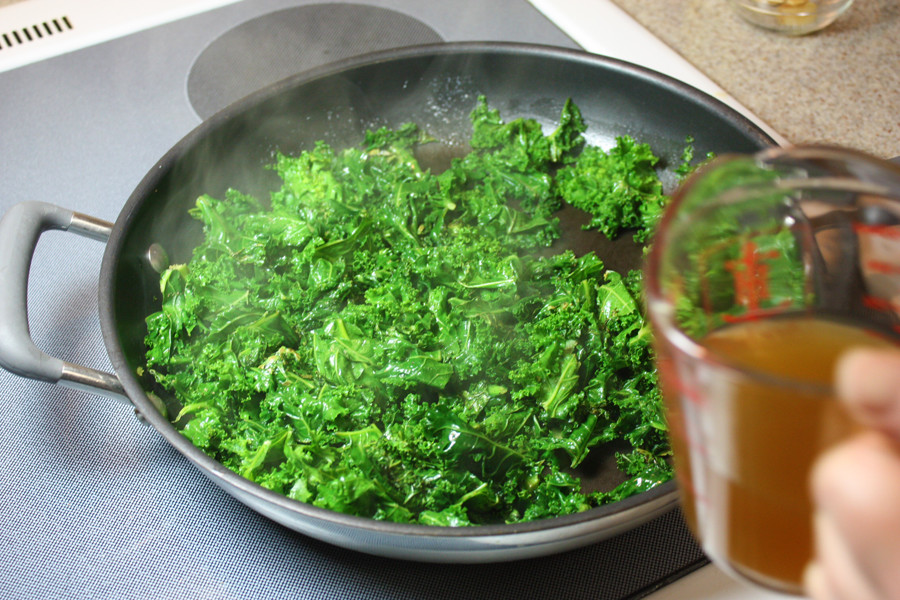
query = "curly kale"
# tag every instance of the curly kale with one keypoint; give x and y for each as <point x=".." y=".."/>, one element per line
<point x="385" y="341"/>
<point x="620" y="187"/>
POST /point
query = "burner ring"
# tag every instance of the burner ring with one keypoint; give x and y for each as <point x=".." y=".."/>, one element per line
<point x="271" y="47"/>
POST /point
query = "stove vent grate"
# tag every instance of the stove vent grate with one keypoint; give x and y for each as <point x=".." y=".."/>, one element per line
<point x="34" y="33"/>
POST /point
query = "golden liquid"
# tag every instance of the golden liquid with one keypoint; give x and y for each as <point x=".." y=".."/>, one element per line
<point x="749" y="503"/>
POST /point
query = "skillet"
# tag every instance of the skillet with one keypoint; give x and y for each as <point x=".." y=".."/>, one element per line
<point x="435" y="87"/>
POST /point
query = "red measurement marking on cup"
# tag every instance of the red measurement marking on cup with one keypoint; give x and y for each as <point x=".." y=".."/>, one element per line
<point x="668" y="373"/>
<point x="751" y="276"/>
<point x="886" y="231"/>
<point x="883" y="305"/>
<point x="877" y="303"/>
<point x="880" y="266"/>
<point x="696" y="446"/>
<point x="689" y="391"/>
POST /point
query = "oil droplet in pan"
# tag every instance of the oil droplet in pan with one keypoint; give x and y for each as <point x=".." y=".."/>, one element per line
<point x="157" y="257"/>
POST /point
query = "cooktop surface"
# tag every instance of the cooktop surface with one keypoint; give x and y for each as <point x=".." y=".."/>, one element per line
<point x="97" y="504"/>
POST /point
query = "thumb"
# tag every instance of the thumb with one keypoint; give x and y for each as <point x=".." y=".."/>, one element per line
<point x="868" y="382"/>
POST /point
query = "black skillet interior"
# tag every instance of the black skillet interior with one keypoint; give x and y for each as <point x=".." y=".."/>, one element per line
<point x="435" y="87"/>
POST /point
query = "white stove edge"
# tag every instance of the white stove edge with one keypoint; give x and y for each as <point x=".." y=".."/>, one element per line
<point x="34" y="30"/>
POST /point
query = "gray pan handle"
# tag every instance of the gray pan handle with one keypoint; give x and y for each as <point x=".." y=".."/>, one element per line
<point x="20" y="229"/>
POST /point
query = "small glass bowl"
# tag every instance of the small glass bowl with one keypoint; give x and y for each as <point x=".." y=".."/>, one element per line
<point x="793" y="17"/>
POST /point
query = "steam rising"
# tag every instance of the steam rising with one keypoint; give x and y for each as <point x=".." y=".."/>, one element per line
<point x="434" y="89"/>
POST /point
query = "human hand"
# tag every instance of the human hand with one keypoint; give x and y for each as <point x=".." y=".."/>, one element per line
<point x="856" y="489"/>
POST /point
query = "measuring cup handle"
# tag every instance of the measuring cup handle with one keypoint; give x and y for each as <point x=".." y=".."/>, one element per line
<point x="20" y="229"/>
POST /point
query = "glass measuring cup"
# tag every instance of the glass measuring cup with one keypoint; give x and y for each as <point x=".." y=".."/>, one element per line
<point x="763" y="271"/>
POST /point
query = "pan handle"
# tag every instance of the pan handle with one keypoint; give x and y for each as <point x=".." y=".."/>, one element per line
<point x="20" y="229"/>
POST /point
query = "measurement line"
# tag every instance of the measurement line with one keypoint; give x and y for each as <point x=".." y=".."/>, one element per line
<point x="885" y="231"/>
<point x="880" y="266"/>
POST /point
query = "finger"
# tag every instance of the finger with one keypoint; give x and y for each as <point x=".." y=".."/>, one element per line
<point x="868" y="381"/>
<point x="840" y="576"/>
<point x="815" y="583"/>
<point x="856" y="488"/>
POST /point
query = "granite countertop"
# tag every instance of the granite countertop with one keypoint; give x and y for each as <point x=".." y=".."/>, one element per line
<point x="837" y="86"/>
